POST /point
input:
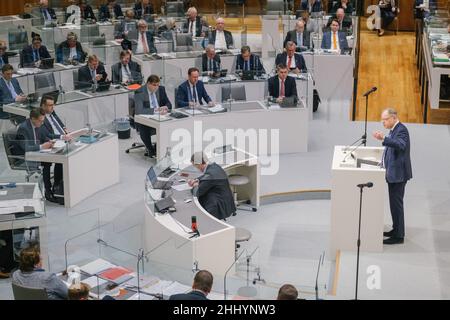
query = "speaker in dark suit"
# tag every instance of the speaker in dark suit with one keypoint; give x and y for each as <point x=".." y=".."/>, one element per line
<point x="210" y="60"/>
<point x="126" y="70"/>
<point x="33" y="53"/>
<point x="201" y="286"/>
<point x="147" y="99"/>
<point x="248" y="61"/>
<point x="397" y="162"/>
<point x="192" y="91"/>
<point x="291" y="59"/>
<point x="299" y="36"/>
<point x="277" y="86"/>
<point x="93" y="71"/>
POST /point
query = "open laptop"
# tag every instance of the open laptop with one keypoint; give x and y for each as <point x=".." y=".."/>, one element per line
<point x="103" y="86"/>
<point x="158" y="184"/>
<point x="47" y="63"/>
<point x="248" y="75"/>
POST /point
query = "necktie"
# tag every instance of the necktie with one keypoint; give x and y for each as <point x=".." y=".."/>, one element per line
<point x="127" y="71"/>
<point x="11" y="89"/>
<point x="154" y="102"/>
<point x="1" y="62"/>
<point x="211" y="68"/>
<point x="47" y="15"/>
<point x="36" y="135"/>
<point x="144" y="43"/>
<point x="36" y="55"/>
<point x="94" y="79"/>
<point x="289" y="62"/>
<point x="282" y="89"/>
<point x="56" y="124"/>
<point x="299" y="39"/>
<point x="194" y="93"/>
<point x="247" y="65"/>
<point x="334" y="41"/>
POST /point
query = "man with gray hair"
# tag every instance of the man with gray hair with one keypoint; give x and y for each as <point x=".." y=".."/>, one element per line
<point x="210" y="60"/>
<point x="212" y="188"/>
<point x="299" y="36"/>
<point x="145" y="42"/>
<point x="221" y="38"/>
<point x="397" y="162"/>
<point x="193" y="25"/>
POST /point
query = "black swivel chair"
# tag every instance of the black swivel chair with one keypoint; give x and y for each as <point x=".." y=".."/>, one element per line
<point x="228" y="3"/>
<point x="234" y="92"/>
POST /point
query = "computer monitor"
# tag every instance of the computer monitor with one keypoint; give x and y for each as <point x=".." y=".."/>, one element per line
<point x="17" y="40"/>
<point x="44" y="82"/>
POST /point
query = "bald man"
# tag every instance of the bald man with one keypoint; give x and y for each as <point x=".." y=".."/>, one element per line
<point x="344" y="21"/>
<point x="221" y="38"/>
<point x="299" y="36"/>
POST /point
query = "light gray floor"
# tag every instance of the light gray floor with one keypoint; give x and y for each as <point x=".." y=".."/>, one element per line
<point x="291" y="236"/>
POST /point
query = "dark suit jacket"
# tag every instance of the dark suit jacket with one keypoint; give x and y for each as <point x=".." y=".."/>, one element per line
<point x="120" y="28"/>
<point x="184" y="94"/>
<point x="214" y="193"/>
<point x="338" y="5"/>
<point x="142" y="102"/>
<point x="198" y="26"/>
<point x="84" y="74"/>
<point x="47" y="129"/>
<point x="317" y="7"/>
<point x="135" y="69"/>
<point x="255" y="63"/>
<point x="103" y="12"/>
<point x="88" y="13"/>
<point x="50" y="11"/>
<point x="327" y="42"/>
<point x="26" y="56"/>
<point x="299" y="60"/>
<point x="346" y="23"/>
<point x="193" y="295"/>
<point x="25" y="138"/>
<point x="290" y="87"/>
<point x="397" y="160"/>
<point x="5" y="59"/>
<point x="292" y="36"/>
<point x="228" y="38"/>
<point x="139" y="11"/>
<point x="5" y="94"/>
<point x="63" y="51"/>
<point x="150" y="42"/>
<point x="216" y="63"/>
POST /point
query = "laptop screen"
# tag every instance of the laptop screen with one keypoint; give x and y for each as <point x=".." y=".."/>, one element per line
<point x="151" y="175"/>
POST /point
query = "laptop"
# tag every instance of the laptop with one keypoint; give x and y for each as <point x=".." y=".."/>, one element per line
<point x="103" y="86"/>
<point x="158" y="184"/>
<point x="47" y="63"/>
<point x="248" y="75"/>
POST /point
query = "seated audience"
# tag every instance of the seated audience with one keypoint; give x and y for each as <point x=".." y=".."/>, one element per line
<point x="32" y="55"/>
<point x="78" y="292"/>
<point x="3" y="56"/>
<point x="311" y="5"/>
<point x="299" y="36"/>
<point x="221" y="38"/>
<point x="193" y="25"/>
<point x="344" y="4"/>
<point x="192" y="92"/>
<point x="31" y="274"/>
<point x="287" y="292"/>
<point x="294" y="61"/>
<point x="70" y="50"/>
<point x="126" y="71"/>
<point x="281" y="85"/>
<point x="93" y="72"/>
<point x="48" y="14"/>
<point x="345" y="22"/>
<point x="10" y="90"/>
<point x="311" y="25"/>
<point x="145" y="43"/>
<point x="334" y="39"/>
<point x="149" y="99"/>
<point x="247" y="61"/>
<point x="170" y="25"/>
<point x="201" y="287"/>
<point x="126" y="25"/>
<point x="86" y="11"/>
<point x="142" y="8"/>
<point x="388" y="12"/>
<point x="210" y="60"/>
<point x="109" y="10"/>
<point x="27" y="11"/>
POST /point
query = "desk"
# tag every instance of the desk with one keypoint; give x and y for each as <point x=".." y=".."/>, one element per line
<point x="87" y="169"/>
<point x="77" y="108"/>
<point x="268" y="130"/>
<point x="214" y="249"/>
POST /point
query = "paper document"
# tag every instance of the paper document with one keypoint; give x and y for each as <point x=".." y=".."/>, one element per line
<point x="143" y="296"/>
<point x="3" y="193"/>
<point x="143" y="281"/>
<point x="175" y="288"/>
<point x="94" y="281"/>
<point x="193" y="111"/>
<point x="181" y="187"/>
<point x="97" y="266"/>
<point x="157" y="117"/>
<point x="274" y="107"/>
<point x="9" y="210"/>
<point x="157" y="287"/>
<point x="216" y="108"/>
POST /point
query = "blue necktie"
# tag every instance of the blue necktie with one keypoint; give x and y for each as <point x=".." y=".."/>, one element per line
<point x="299" y="39"/>
<point x="247" y="65"/>
<point x="47" y="14"/>
<point x="93" y="76"/>
<point x="1" y="62"/>
<point x="35" y="55"/>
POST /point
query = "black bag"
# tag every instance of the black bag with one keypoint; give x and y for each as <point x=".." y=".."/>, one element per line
<point x="316" y="100"/>
<point x="58" y="191"/>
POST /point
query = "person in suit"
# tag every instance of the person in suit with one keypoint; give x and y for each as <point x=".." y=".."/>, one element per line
<point x="210" y="60"/>
<point x="294" y="61"/>
<point x="221" y="38"/>
<point x="126" y="25"/>
<point x="201" y="287"/>
<point x="388" y="12"/>
<point x="31" y="55"/>
<point x="287" y="292"/>
<point x="249" y="61"/>
<point x="3" y="56"/>
<point x="48" y="14"/>
<point x="70" y="50"/>
<point x="145" y="42"/>
<point x="345" y="5"/>
<point x="27" y="11"/>
<point x="10" y="90"/>
<point x="334" y="39"/>
<point x="212" y="188"/>
<point x="345" y="23"/>
<point x="86" y="11"/>
<point x="149" y="99"/>
<point x="311" y="25"/>
<point x="192" y="92"/>
<point x="109" y="9"/>
<point x="52" y="128"/>
<point x="93" y="72"/>
<point x="142" y="8"/>
<point x="31" y="274"/>
<point x="311" y="5"/>
<point x="299" y="36"/>
<point x="126" y="71"/>
<point x="397" y="162"/>
<point x="281" y="85"/>
<point x="193" y="25"/>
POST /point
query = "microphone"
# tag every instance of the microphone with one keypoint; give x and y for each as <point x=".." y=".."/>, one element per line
<point x="194" y="223"/>
<point x="370" y="91"/>
<point x="363" y="185"/>
<point x="316" y="287"/>
<point x="363" y="141"/>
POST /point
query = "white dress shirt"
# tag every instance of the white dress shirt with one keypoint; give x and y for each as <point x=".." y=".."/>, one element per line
<point x="140" y="46"/>
<point x="192" y="28"/>
<point x="220" y="40"/>
<point x="73" y="53"/>
<point x="293" y="65"/>
<point x="126" y="73"/>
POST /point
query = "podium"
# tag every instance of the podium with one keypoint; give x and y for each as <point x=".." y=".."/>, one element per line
<point x="349" y="170"/>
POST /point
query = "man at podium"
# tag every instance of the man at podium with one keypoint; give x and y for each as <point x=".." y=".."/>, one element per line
<point x="397" y="162"/>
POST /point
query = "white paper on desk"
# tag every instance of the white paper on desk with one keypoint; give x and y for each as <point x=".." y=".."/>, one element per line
<point x="274" y="107"/>
<point x="3" y="193"/>
<point x="24" y="71"/>
<point x="158" y="287"/>
<point x="216" y="108"/>
<point x="9" y="210"/>
<point x="94" y="281"/>
<point x="157" y="117"/>
<point x="45" y="150"/>
<point x="115" y="43"/>
<point x="143" y="282"/>
<point x="175" y="288"/>
<point x="97" y="266"/>
<point x="21" y="203"/>
<point x="182" y="187"/>
<point x="193" y="111"/>
<point x="143" y="297"/>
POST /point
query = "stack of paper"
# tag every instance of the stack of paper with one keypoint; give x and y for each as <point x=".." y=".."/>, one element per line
<point x="117" y="275"/>
<point x="175" y="288"/>
<point x="97" y="266"/>
<point x="216" y="108"/>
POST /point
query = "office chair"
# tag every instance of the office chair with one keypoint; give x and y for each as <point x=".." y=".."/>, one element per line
<point x="17" y="161"/>
<point x="134" y="145"/>
<point x="183" y="42"/>
<point x="27" y="293"/>
<point x="17" y="40"/>
<point x="44" y="82"/>
<point x="227" y="3"/>
<point x="274" y="7"/>
<point x="233" y="92"/>
<point x="174" y="9"/>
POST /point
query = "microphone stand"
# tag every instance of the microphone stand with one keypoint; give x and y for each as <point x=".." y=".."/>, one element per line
<point x="316" y="288"/>
<point x="354" y="149"/>
<point x="365" y="118"/>
<point x="73" y="238"/>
